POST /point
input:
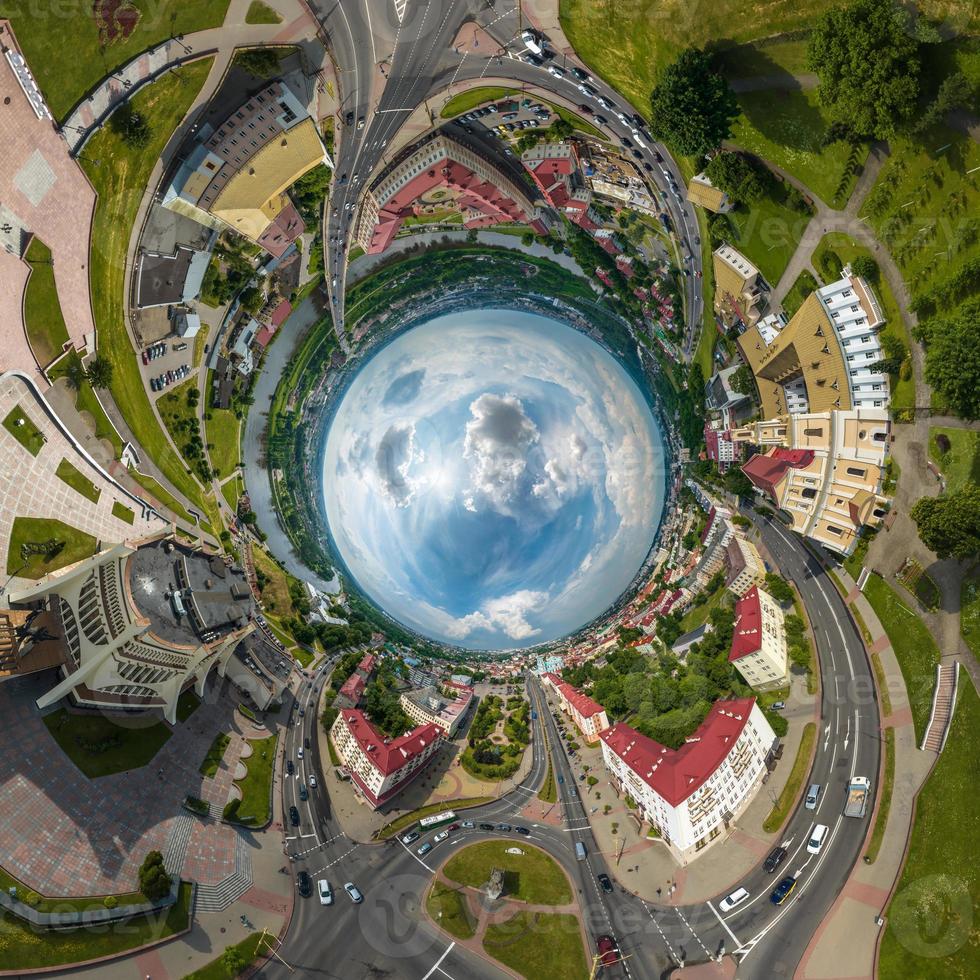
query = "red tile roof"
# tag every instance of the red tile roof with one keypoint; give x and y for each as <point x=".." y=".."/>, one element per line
<point x="353" y="688"/>
<point x="677" y="773"/>
<point x="279" y="314"/>
<point x="388" y="755"/>
<point x="367" y="663"/>
<point x="747" y="637"/>
<point x="265" y="334"/>
<point x="582" y="703"/>
<point x="765" y="471"/>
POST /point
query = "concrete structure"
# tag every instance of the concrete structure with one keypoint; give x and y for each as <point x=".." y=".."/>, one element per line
<point x="759" y="641"/>
<point x="691" y="795"/>
<point x="825" y="470"/>
<point x="163" y="280"/>
<point x="825" y="357"/>
<point x="589" y="716"/>
<point x="381" y="767"/>
<point x="236" y="176"/>
<point x="428" y="705"/>
<point x="549" y="664"/>
<point x="741" y="294"/>
<point x="720" y="446"/>
<point x="141" y="624"/>
<point x="743" y="565"/>
<point x="448" y="173"/>
<point x="555" y="169"/>
<point x="702" y="192"/>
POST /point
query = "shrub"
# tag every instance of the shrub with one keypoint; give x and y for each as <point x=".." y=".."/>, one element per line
<point x="153" y="878"/>
<point x="230" y="811"/>
<point x="110" y="901"/>
<point x="32" y="899"/>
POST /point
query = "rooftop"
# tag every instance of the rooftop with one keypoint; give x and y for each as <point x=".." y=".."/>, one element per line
<point x="747" y="637"/>
<point x="388" y="755"/>
<point x="766" y="470"/>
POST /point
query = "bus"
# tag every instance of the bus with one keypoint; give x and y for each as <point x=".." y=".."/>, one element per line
<point x="437" y="820"/>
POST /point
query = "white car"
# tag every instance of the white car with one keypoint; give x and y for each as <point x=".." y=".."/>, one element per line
<point x="326" y="895"/>
<point x="819" y="835"/>
<point x="355" y="896"/>
<point x="440" y="837"/>
<point x="556" y="71"/>
<point x="299" y="752"/>
<point x="638" y="139"/>
<point x="730" y="901"/>
<point x="312" y="782"/>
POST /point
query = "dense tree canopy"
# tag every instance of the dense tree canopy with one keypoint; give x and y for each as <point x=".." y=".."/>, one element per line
<point x="950" y="525"/>
<point x="866" y="58"/>
<point x="953" y="358"/>
<point x="737" y="177"/>
<point x="692" y="107"/>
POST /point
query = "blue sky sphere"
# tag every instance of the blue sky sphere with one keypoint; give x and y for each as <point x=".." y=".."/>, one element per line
<point x="493" y="479"/>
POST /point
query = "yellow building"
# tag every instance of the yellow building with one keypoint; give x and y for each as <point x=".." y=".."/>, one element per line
<point x="741" y="294"/>
<point x="704" y="194"/>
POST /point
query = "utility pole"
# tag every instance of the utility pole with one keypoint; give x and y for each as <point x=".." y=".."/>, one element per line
<point x="265" y="941"/>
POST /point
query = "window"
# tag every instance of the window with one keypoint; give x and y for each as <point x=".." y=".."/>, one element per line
<point x="834" y="529"/>
<point x="846" y="292"/>
<point x="869" y="355"/>
<point x="856" y="471"/>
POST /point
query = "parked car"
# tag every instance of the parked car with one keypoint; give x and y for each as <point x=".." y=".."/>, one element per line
<point x="440" y="837"/>
<point x="777" y="705"/>
<point x="467" y="825"/>
<point x="303" y="883"/>
<point x="605" y="883"/>
<point x="424" y="849"/>
<point x="326" y="895"/>
<point x="783" y="890"/>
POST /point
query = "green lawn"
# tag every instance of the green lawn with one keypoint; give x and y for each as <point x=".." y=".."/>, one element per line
<point x="212" y="761"/>
<point x="931" y="921"/>
<point x="24" y="430"/>
<point x="64" y="904"/>
<point x="532" y="876"/>
<point x="801" y="766"/>
<point x="884" y="799"/>
<point x="804" y="285"/>
<point x="407" y="819"/>
<point x="787" y="128"/>
<point x="86" y="401"/>
<point x="62" y="545"/>
<point x="101" y="745"/>
<point x="538" y="946"/>
<point x="753" y="60"/>
<point x="21" y="948"/>
<point x="120" y="174"/>
<point x="845" y="248"/>
<point x="42" y="30"/>
<point x="961" y="464"/>
<point x="261" y="13"/>
<point x="970" y="611"/>
<point x="447" y="907"/>
<point x="123" y="512"/>
<point x="187" y="704"/>
<point x="43" y="320"/>
<point x="549" y="791"/>
<point x="697" y="615"/>
<point x="248" y="950"/>
<point x="767" y="235"/>
<point x="913" y="644"/>
<point x="231" y="490"/>
<point x="223" y="434"/>
<point x="163" y="495"/>
<point x="78" y="481"/>
<point x="474" y="97"/>
<point x="256" y="787"/>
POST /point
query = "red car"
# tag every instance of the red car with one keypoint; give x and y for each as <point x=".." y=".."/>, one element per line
<point x="608" y="952"/>
<point x="453" y="826"/>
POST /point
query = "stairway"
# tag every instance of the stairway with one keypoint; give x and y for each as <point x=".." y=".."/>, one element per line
<point x="176" y="845"/>
<point x="942" y="708"/>
<point x="216" y="898"/>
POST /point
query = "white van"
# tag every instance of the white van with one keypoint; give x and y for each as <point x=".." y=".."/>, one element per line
<point x="531" y="42"/>
<point x="817" y="838"/>
<point x="736" y="898"/>
<point x="580" y="852"/>
<point x="812" y="796"/>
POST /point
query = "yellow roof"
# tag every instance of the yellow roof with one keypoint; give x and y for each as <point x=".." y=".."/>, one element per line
<point x="704" y="194"/>
<point x="254" y="196"/>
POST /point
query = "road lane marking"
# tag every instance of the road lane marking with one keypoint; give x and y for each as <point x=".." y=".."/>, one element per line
<point x="438" y="963"/>
<point x="724" y="924"/>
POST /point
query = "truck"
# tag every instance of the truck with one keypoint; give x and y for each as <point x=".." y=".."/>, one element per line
<point x="532" y="42"/>
<point x="858" y="791"/>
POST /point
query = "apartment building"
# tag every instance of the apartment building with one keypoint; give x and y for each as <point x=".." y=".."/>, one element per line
<point x="381" y="767"/>
<point x="743" y="565"/>
<point x="428" y="705"/>
<point x="741" y="294"/>
<point x="692" y="795"/>
<point x="588" y="715"/>
<point x="704" y="194"/>
<point x="758" y="648"/>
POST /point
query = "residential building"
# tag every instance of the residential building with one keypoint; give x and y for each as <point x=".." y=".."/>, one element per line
<point x="366" y="667"/>
<point x="825" y="470"/>
<point x="759" y="641"/>
<point x="741" y="294"/>
<point x="429" y="705"/>
<point x="704" y="194"/>
<point x="555" y="169"/>
<point x="236" y="175"/>
<point x="482" y="192"/>
<point x="381" y="767"/>
<point x="608" y="241"/>
<point x="130" y="643"/>
<point x="549" y="663"/>
<point x="825" y="357"/>
<point x="743" y="565"/>
<point x="589" y="716"/>
<point x="720" y="447"/>
<point x="692" y="795"/>
<point x="351" y="692"/>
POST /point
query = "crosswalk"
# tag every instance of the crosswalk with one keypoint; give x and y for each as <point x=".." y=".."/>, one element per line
<point x="400" y="6"/>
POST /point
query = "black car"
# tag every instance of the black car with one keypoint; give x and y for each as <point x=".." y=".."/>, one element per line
<point x="304" y="884"/>
<point x="585" y="110"/>
<point x="648" y="168"/>
<point x="776" y="857"/>
<point x="605" y="883"/>
<point x="523" y="830"/>
<point x="658" y="155"/>
<point x="306" y="743"/>
<point x="628" y="143"/>
<point x="582" y="76"/>
<point x="561" y="779"/>
<point x="349" y="119"/>
<point x="638" y="154"/>
<point x="290" y="768"/>
<point x="601" y="120"/>
<point x="486" y="826"/>
<point x="505" y="827"/>
<point x="294" y="816"/>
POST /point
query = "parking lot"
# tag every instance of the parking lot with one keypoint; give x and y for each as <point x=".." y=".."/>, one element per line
<point x="166" y="363"/>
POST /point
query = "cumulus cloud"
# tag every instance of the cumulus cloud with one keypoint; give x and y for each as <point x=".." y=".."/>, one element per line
<point x="404" y="389"/>
<point x="394" y="457"/>
<point x="498" y="438"/>
<point x="508" y="614"/>
<point x="564" y="471"/>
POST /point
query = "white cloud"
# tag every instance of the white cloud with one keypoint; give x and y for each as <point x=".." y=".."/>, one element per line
<point x="508" y="613"/>
<point x="393" y="459"/>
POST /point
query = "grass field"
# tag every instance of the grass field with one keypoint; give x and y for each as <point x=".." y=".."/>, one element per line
<point x="74" y="546"/>
<point x="123" y="512"/>
<point x="222" y="434"/>
<point x="212" y="761"/>
<point x="42" y="29"/>
<point x="804" y="285"/>
<point x="87" y="402"/>
<point x="914" y="647"/>
<point x="63" y="904"/>
<point x="163" y="495"/>
<point x="884" y="799"/>
<point x="801" y="766"/>
<point x="698" y="615"/>
<point x="248" y="950"/>
<point x="23" y="948"/>
<point x="120" y="177"/>
<point x="261" y="13"/>
<point x="255" y="808"/>
<point x="275" y="592"/>
<point x="902" y="390"/>
<point x="474" y="97"/>
<point x="538" y="946"/>
<point x="408" y="819"/>
<point x="767" y="235"/>
<point x="231" y="490"/>
<point x="447" y="906"/>
<point x="931" y="932"/>
<point x="961" y="464"/>
<point x="970" y="611"/>
<point x="43" y="319"/>
<point x="532" y="877"/>
<point x="24" y="430"/>
<point x="78" y="481"/>
<point x="101" y="746"/>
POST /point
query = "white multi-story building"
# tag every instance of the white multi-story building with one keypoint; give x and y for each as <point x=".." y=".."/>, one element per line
<point x="428" y="705"/>
<point x="589" y="716"/>
<point x="759" y="640"/>
<point x="691" y="795"/>
<point x="381" y="767"/>
<point x="743" y="564"/>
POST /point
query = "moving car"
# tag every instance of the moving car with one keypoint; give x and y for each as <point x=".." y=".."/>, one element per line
<point x="556" y="71"/>
<point x="326" y="895"/>
<point x="812" y="795"/>
<point x="736" y="898"/>
<point x="605" y="883"/>
<point x="819" y="835"/>
<point x="411" y="837"/>
<point x="776" y="857"/>
<point x="312" y="782"/>
<point x="299" y="752"/>
<point x="523" y="830"/>
<point x="582" y="76"/>
<point x="608" y="952"/>
<point x="467" y="825"/>
<point x="505" y="827"/>
<point x="486" y="826"/>
<point x="783" y="890"/>
<point x="303" y="794"/>
<point x="355" y="896"/>
<point x="294" y="816"/>
<point x="303" y="883"/>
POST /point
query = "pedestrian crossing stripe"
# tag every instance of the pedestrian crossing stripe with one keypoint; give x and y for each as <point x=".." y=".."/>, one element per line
<point x="400" y="6"/>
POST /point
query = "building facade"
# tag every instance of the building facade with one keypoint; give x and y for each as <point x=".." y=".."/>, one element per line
<point x="759" y="641"/>
<point x="691" y="795"/>
<point x="743" y="565"/>
<point x="588" y="715"/>
<point x="381" y="767"/>
<point x="428" y="705"/>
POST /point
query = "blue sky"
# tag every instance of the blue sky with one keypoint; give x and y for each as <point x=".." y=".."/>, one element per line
<point x="493" y="478"/>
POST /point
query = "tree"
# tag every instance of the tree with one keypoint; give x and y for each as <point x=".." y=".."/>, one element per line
<point x="233" y="961"/>
<point x="865" y="267"/>
<point x="949" y="525"/>
<point x="736" y="176"/>
<point x="742" y="381"/>
<point x="953" y="359"/>
<point x="867" y="62"/>
<point x="130" y="126"/>
<point x="954" y="90"/>
<point x="560" y="129"/>
<point x="153" y="878"/>
<point x="99" y="372"/>
<point x="778" y="588"/>
<point x="527" y="239"/>
<point x="261" y="62"/>
<point x="692" y="107"/>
